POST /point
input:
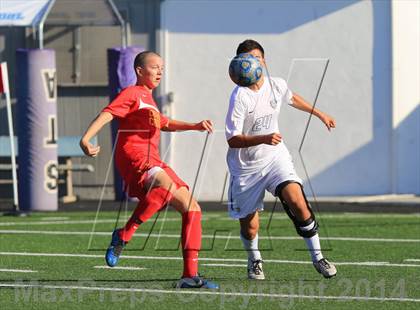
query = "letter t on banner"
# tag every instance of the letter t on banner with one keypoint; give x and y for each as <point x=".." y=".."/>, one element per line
<point x="4" y="89"/>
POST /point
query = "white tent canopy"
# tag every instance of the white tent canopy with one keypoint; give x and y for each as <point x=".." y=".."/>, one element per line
<point x="36" y="13"/>
<point x="22" y="12"/>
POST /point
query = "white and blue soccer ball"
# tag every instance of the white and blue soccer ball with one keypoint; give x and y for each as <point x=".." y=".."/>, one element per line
<point x="245" y="70"/>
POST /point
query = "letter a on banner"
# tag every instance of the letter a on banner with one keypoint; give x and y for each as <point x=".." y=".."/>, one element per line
<point x="50" y="83"/>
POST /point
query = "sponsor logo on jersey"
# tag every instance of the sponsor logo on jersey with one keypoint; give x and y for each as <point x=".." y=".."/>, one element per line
<point x="273" y="103"/>
<point x="143" y="105"/>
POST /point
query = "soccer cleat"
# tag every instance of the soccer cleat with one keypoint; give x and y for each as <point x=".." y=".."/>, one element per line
<point x="255" y="270"/>
<point x="114" y="250"/>
<point x="196" y="282"/>
<point x="325" y="268"/>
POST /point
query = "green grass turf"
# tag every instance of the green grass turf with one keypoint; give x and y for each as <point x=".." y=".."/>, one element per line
<point x="55" y="274"/>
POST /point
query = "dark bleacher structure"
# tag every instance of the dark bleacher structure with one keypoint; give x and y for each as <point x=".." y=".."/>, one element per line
<point x="68" y="148"/>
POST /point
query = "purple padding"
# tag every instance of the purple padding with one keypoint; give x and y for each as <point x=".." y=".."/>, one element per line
<point x="36" y="92"/>
<point x="120" y="75"/>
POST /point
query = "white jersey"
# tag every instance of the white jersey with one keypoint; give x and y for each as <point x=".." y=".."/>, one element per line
<point x="254" y="113"/>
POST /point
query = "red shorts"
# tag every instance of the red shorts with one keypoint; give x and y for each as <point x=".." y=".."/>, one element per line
<point x="136" y="186"/>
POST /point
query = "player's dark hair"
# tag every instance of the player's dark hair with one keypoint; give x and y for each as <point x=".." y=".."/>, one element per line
<point x="140" y="59"/>
<point x="249" y="45"/>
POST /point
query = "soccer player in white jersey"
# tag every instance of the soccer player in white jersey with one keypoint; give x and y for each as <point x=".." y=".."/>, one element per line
<point x="258" y="160"/>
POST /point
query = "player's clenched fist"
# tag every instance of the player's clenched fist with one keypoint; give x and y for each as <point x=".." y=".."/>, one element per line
<point x="205" y="125"/>
<point x="89" y="149"/>
<point x="272" y="139"/>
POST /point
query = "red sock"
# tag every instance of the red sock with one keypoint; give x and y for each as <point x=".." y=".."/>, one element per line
<point x="157" y="198"/>
<point x="191" y="242"/>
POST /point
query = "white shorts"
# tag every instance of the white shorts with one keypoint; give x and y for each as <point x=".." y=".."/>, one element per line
<point x="246" y="193"/>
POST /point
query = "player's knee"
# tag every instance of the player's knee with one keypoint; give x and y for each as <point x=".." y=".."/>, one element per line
<point x="308" y="228"/>
<point x="296" y="202"/>
<point x="305" y="228"/>
<point x="190" y="205"/>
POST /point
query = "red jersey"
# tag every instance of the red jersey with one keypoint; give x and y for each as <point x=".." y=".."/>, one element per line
<point x="139" y="125"/>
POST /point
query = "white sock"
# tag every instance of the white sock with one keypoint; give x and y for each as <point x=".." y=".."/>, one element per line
<point x="313" y="244"/>
<point x="251" y="246"/>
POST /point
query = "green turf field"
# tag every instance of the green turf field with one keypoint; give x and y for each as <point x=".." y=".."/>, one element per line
<point x="55" y="261"/>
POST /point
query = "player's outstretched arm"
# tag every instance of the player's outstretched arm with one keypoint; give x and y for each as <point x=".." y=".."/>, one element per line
<point x="300" y="104"/>
<point x="102" y="119"/>
<point x="174" y="125"/>
<point x="242" y="141"/>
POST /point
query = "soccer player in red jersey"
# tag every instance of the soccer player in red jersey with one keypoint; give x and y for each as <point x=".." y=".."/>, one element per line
<point x="146" y="176"/>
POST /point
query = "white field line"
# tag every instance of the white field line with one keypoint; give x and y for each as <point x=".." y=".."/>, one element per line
<point x="371" y="239"/>
<point x="65" y="221"/>
<point x="102" y="233"/>
<point x="119" y="268"/>
<point x="75" y="222"/>
<point x="378" y="198"/>
<point x="412" y="260"/>
<point x="54" y="222"/>
<point x="341" y="216"/>
<point x="210" y="259"/>
<point x="57" y="218"/>
<point x="61" y="221"/>
<point x="224" y="265"/>
<point x="63" y="233"/>
<point x="18" y="270"/>
<point x="349" y="215"/>
<point x="218" y="293"/>
<point x="373" y="264"/>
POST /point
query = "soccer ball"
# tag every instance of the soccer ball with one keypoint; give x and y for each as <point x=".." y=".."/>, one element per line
<point x="245" y="70"/>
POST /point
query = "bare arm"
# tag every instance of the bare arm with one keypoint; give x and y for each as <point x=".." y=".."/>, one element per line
<point x="243" y="141"/>
<point x="174" y="125"/>
<point x="300" y="104"/>
<point x="101" y="120"/>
